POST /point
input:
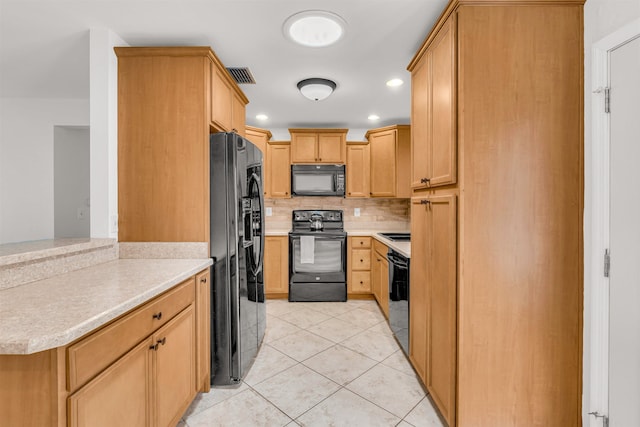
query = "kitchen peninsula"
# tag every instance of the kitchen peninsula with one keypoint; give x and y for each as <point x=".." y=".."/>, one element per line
<point x="108" y="338"/>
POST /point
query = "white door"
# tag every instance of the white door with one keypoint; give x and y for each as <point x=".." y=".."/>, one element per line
<point x="624" y="228"/>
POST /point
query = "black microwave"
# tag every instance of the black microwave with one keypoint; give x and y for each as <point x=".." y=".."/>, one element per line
<point x="317" y="180"/>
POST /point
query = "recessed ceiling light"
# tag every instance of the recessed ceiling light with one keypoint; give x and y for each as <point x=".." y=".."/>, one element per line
<point x="262" y="117"/>
<point x="395" y="83"/>
<point x="314" y="28"/>
<point x="373" y="117"/>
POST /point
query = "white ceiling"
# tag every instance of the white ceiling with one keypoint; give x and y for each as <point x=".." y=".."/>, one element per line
<point x="44" y="50"/>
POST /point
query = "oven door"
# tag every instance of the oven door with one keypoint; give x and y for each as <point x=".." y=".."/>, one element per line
<point x="329" y="259"/>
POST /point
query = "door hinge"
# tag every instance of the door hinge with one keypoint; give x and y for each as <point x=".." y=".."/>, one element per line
<point x="607" y="262"/>
<point x="607" y="100"/>
<point x="605" y="419"/>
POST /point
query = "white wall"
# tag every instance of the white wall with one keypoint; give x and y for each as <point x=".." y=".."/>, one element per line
<point x="26" y="163"/>
<point x="601" y="18"/>
<point x="71" y="182"/>
<point x="103" y="66"/>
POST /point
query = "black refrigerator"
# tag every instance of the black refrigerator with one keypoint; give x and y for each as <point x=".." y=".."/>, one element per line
<point x="238" y="317"/>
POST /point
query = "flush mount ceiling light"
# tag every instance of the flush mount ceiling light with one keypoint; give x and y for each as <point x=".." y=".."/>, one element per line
<point x="316" y="89"/>
<point x="314" y="28"/>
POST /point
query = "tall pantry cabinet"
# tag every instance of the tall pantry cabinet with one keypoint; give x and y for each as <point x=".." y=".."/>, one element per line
<point x="496" y="213"/>
<point x="169" y="100"/>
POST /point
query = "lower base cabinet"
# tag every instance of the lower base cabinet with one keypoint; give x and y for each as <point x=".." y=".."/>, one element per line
<point x="380" y="276"/>
<point x="143" y="369"/>
<point x="154" y="381"/>
<point x="276" y="266"/>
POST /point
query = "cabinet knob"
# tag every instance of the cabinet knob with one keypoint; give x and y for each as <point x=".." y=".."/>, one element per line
<point x="361" y="260"/>
<point x="203" y="280"/>
<point x="361" y="282"/>
<point x="320" y="159"/>
<point x="424" y="202"/>
<point x="158" y="316"/>
<point x="163" y="341"/>
<point x="361" y="242"/>
<point x="424" y="180"/>
<point x="154" y="347"/>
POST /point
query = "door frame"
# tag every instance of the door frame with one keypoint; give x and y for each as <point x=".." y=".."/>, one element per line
<point x="598" y="399"/>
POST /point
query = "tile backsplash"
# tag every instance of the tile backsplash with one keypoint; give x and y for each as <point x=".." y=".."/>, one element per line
<point x="375" y="214"/>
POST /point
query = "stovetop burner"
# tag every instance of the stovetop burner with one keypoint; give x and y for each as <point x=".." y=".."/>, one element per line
<point x="317" y="221"/>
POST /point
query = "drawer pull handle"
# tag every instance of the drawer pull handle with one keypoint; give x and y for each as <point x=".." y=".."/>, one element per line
<point x="163" y="341"/>
<point x="158" y="316"/>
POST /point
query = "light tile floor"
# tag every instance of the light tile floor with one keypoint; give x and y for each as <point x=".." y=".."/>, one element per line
<point x="321" y="364"/>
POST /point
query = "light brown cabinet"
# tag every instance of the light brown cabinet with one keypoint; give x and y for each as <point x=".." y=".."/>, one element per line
<point x="276" y="266"/>
<point x="358" y="171"/>
<point x="141" y="369"/>
<point x="485" y="124"/>
<point x="359" y="265"/>
<point x="260" y="137"/>
<point x="203" y="330"/>
<point x="169" y="100"/>
<point x="390" y="161"/>
<point x="434" y="153"/>
<point x="278" y="170"/>
<point x="228" y="103"/>
<point x="318" y="145"/>
<point x="434" y="295"/>
<point x="380" y="276"/>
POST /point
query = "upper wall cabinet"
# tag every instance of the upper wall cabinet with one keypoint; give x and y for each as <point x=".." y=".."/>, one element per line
<point x="259" y="137"/>
<point x="390" y="161"/>
<point x="278" y="170"/>
<point x="433" y="112"/>
<point x="169" y="100"/>
<point x="358" y="175"/>
<point x="318" y="145"/>
<point x="228" y="112"/>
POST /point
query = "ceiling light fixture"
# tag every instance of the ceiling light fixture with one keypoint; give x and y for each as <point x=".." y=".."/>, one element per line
<point x="314" y="28"/>
<point x="373" y="117"/>
<point x="262" y="117"/>
<point x="395" y="83"/>
<point x="316" y="89"/>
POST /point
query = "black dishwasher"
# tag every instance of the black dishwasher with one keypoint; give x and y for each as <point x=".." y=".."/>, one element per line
<point x="399" y="297"/>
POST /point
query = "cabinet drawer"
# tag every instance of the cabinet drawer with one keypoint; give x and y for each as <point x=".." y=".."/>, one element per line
<point x="360" y="242"/>
<point x="360" y="281"/>
<point x="91" y="355"/>
<point x="361" y="259"/>
<point x="380" y="248"/>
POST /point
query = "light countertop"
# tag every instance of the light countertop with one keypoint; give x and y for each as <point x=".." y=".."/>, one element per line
<point x="403" y="247"/>
<point x="56" y="311"/>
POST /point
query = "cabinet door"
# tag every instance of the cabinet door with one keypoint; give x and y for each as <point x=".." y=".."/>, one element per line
<point x="238" y="114"/>
<point x="221" y="114"/>
<point x="442" y="304"/>
<point x="360" y="282"/>
<point x="117" y="397"/>
<point x="259" y="138"/>
<point x="443" y="106"/>
<point x="384" y="286"/>
<point x="383" y="163"/>
<point x="418" y="279"/>
<point x="331" y="147"/>
<point x="420" y="100"/>
<point x="358" y="170"/>
<point x="279" y="170"/>
<point x="276" y="266"/>
<point x="203" y="330"/>
<point x="304" y="148"/>
<point x="174" y="367"/>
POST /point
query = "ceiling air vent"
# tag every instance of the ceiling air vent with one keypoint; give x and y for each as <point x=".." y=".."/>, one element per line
<point x="241" y="75"/>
